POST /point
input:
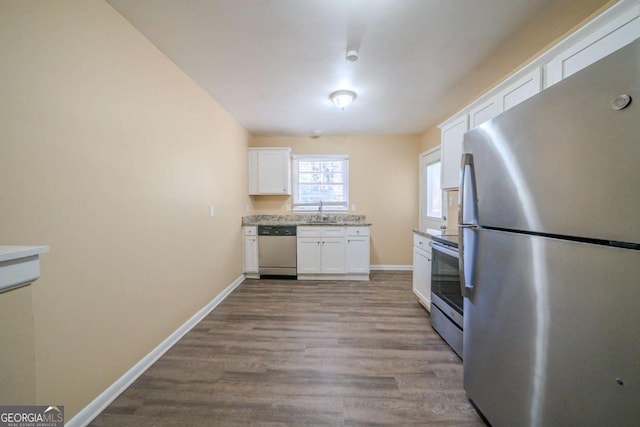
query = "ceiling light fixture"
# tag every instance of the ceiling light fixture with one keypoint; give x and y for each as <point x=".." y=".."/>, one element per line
<point x="342" y="98"/>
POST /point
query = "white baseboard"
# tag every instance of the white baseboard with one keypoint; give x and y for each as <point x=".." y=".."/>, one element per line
<point x="382" y="267"/>
<point x="99" y="404"/>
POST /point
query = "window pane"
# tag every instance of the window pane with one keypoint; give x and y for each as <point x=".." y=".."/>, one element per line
<point x="320" y="180"/>
<point x="434" y="193"/>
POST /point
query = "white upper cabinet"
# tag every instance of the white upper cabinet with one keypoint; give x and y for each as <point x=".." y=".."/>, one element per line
<point x="613" y="29"/>
<point x="601" y="42"/>
<point x="269" y="171"/>
<point x="485" y="111"/>
<point x="521" y="90"/>
<point x="451" y="151"/>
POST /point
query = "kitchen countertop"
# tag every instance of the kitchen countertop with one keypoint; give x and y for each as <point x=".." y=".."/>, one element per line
<point x="9" y="253"/>
<point x="432" y="232"/>
<point x="19" y="265"/>
<point x="306" y="219"/>
<point x="447" y="236"/>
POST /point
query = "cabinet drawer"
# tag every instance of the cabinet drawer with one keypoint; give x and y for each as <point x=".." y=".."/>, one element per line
<point x="333" y="231"/>
<point x="357" y="231"/>
<point x="421" y="242"/>
<point x="250" y="230"/>
<point x="305" y="231"/>
<point x="319" y="231"/>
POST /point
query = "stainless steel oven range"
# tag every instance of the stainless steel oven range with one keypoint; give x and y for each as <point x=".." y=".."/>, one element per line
<point x="446" y="294"/>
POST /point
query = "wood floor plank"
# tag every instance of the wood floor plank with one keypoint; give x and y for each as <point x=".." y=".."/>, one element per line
<point x="289" y="353"/>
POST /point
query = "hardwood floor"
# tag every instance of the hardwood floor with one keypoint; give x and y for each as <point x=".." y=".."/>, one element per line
<point x="290" y="353"/>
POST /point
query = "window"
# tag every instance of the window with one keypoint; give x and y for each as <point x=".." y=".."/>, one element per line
<point x="433" y="197"/>
<point x="433" y="209"/>
<point x="321" y="178"/>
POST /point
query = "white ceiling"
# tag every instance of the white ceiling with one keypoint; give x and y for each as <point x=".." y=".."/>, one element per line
<point x="273" y="63"/>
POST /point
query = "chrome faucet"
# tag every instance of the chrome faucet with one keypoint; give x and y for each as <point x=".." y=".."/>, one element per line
<point x="320" y="212"/>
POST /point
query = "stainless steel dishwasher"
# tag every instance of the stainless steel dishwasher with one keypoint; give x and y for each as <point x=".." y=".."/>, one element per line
<point x="277" y="251"/>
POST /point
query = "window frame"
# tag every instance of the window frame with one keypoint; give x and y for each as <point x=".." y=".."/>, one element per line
<point x="342" y="206"/>
<point x="425" y="159"/>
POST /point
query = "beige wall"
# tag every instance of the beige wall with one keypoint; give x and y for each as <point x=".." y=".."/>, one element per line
<point x="112" y="156"/>
<point x="382" y="185"/>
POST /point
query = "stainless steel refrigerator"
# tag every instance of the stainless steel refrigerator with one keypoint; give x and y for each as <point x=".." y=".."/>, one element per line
<point x="550" y="253"/>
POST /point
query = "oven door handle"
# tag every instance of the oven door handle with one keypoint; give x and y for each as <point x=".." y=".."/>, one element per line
<point x="444" y="249"/>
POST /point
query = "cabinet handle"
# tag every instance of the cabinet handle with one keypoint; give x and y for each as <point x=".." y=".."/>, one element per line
<point x="420" y="243"/>
<point x="429" y="259"/>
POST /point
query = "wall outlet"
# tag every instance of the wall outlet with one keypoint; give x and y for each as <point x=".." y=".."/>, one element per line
<point x="248" y="207"/>
<point x="450" y="201"/>
<point x="287" y="207"/>
<point x="212" y="211"/>
<point x="353" y="207"/>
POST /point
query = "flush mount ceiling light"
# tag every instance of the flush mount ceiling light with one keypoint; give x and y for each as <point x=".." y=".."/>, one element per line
<point x="342" y="98"/>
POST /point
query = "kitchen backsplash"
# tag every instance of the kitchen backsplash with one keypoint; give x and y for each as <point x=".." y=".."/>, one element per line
<point x="452" y="211"/>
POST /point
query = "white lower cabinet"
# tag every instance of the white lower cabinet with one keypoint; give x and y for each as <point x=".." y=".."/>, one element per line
<point x="250" y="246"/>
<point x="333" y="253"/>
<point x="422" y="270"/>
<point x="309" y="255"/>
<point x="358" y="250"/>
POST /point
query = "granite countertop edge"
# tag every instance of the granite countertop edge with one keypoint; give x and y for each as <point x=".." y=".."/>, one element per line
<point x="310" y="224"/>
<point x="332" y="220"/>
<point x="431" y="232"/>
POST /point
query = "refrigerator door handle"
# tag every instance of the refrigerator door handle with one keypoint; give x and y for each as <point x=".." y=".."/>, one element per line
<point x="467" y="223"/>
<point x="467" y="200"/>
<point x="467" y="258"/>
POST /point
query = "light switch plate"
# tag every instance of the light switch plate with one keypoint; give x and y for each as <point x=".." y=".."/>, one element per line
<point x="212" y="211"/>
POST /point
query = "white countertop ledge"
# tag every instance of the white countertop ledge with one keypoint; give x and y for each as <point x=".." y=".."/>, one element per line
<point x="19" y="265"/>
<point x="8" y="253"/>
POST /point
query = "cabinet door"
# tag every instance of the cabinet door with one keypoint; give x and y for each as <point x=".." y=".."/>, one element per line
<point x="452" y="134"/>
<point x="308" y="251"/>
<point x="483" y="112"/>
<point x="611" y="37"/>
<point x="274" y="172"/>
<point x="521" y="90"/>
<point x="334" y="256"/>
<point x="422" y="276"/>
<point x="250" y="254"/>
<point x="358" y="255"/>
